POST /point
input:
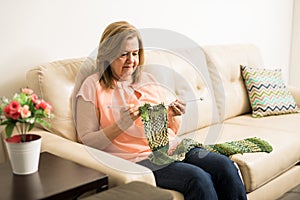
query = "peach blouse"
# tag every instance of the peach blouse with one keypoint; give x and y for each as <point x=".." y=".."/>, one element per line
<point x="98" y="107"/>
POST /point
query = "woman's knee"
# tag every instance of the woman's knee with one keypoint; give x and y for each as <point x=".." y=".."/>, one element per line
<point x="228" y="165"/>
<point x="200" y="186"/>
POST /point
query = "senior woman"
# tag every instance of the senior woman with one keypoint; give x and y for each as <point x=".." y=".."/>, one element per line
<point x="108" y="118"/>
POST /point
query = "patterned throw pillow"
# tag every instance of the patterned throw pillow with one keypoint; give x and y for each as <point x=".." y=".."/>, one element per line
<point x="267" y="92"/>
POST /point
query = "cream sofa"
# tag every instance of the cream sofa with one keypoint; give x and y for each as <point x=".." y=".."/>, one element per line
<point x="212" y="73"/>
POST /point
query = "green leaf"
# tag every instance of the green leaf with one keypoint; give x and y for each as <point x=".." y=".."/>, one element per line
<point x="6" y="122"/>
<point x="23" y="98"/>
<point x="5" y="100"/>
<point x="43" y="122"/>
<point x="9" y="129"/>
<point x="30" y="127"/>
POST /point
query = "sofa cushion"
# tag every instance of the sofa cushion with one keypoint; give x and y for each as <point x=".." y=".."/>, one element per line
<point x="181" y="79"/>
<point x="54" y="82"/>
<point x="288" y="123"/>
<point x="267" y="92"/>
<point x="224" y="67"/>
<point x="257" y="168"/>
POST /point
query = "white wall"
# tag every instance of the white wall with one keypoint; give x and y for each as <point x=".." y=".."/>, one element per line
<point x="38" y="31"/>
<point x="295" y="54"/>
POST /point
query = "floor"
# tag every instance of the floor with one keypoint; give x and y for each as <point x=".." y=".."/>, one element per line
<point x="294" y="194"/>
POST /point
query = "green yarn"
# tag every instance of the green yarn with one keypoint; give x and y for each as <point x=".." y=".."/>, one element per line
<point x="248" y="145"/>
<point x="155" y="122"/>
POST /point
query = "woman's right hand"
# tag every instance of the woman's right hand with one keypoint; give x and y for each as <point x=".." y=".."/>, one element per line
<point x="128" y="115"/>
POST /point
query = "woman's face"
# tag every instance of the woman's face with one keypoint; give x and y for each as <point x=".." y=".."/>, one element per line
<point x="123" y="66"/>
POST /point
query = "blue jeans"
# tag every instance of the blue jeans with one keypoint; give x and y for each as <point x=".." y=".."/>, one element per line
<point x="202" y="175"/>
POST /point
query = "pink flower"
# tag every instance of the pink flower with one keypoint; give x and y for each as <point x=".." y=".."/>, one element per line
<point x="48" y="110"/>
<point x="44" y="105"/>
<point x="25" y="112"/>
<point x="34" y="98"/>
<point x="24" y="108"/>
<point x="12" y="110"/>
<point x="38" y="103"/>
<point x="27" y="91"/>
<point x="49" y="107"/>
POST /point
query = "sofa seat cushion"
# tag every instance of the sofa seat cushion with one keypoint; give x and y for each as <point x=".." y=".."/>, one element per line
<point x="257" y="168"/>
<point x="288" y="122"/>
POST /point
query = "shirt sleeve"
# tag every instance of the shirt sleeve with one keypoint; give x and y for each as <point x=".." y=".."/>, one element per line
<point x="87" y="118"/>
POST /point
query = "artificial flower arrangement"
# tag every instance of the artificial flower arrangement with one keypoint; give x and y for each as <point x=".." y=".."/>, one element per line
<point x="23" y="111"/>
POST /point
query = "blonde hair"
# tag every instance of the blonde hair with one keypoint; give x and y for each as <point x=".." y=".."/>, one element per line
<point x="113" y="38"/>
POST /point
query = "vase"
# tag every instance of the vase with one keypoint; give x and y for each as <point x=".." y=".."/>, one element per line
<point x="24" y="156"/>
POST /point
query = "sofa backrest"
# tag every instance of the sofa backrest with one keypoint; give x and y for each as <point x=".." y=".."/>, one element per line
<point x="55" y="82"/>
<point x="185" y="79"/>
<point x="224" y="67"/>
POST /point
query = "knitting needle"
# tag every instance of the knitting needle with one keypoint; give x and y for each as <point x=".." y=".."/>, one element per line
<point x="191" y="100"/>
<point x="187" y="101"/>
<point x="115" y="106"/>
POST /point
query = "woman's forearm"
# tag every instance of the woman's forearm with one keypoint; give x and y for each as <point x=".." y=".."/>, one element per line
<point x="174" y="122"/>
<point x="88" y="128"/>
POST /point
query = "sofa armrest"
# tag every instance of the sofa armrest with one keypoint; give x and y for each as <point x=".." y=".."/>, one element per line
<point x="119" y="171"/>
<point x="296" y="93"/>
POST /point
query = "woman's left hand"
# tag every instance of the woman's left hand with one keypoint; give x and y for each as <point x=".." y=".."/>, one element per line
<point x="177" y="108"/>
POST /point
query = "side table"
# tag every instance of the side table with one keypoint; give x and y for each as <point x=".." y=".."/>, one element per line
<point x="57" y="178"/>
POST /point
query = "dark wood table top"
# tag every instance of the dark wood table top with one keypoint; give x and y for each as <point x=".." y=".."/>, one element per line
<point x="57" y="178"/>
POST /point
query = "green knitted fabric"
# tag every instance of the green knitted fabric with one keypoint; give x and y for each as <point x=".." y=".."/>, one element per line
<point x="247" y="145"/>
<point x="155" y="123"/>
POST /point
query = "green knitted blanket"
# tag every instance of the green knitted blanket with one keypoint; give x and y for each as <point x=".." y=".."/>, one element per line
<point x="155" y="122"/>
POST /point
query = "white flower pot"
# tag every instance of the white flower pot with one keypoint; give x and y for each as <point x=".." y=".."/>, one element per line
<point x="24" y="156"/>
